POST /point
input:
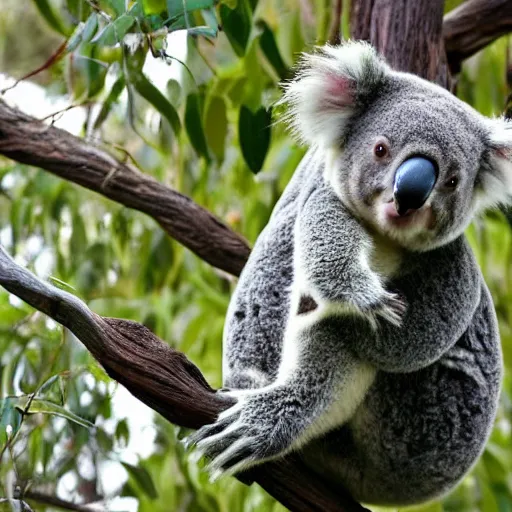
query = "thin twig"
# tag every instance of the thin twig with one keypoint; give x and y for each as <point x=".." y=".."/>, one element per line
<point x="53" y="501"/>
<point x="64" y="110"/>
<point x="56" y="56"/>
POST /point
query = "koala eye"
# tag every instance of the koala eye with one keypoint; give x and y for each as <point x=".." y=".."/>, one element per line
<point x="451" y="182"/>
<point x="380" y="150"/>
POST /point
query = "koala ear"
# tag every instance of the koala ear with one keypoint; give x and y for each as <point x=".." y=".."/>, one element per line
<point x="331" y="85"/>
<point x="496" y="175"/>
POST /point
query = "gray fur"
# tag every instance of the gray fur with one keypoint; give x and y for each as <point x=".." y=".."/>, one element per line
<point x="389" y="384"/>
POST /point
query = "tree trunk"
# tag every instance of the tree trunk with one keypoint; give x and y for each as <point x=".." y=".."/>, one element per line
<point x="407" y="32"/>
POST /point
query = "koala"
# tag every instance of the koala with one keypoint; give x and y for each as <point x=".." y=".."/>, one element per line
<point x="361" y="333"/>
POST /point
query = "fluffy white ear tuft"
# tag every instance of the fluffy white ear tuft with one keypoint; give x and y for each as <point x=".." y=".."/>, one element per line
<point x="497" y="177"/>
<point x="330" y="86"/>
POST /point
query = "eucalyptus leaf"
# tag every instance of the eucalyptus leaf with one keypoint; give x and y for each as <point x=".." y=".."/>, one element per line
<point x="203" y="31"/>
<point x="194" y="125"/>
<point x="122" y="433"/>
<point x="236" y="24"/>
<point x="41" y="406"/>
<point x="150" y="93"/>
<point x="174" y="92"/>
<point x="210" y="18"/>
<point x="114" y="32"/>
<point x="90" y="27"/>
<point x="109" y="102"/>
<point x="177" y="8"/>
<point x="51" y="17"/>
<point x="76" y="38"/>
<point x="89" y="74"/>
<point x="153" y="6"/>
<point x="216" y="126"/>
<point x="271" y="51"/>
<point x="254" y="130"/>
<point x="10" y="420"/>
<point x="118" y="6"/>
<point x="143" y="479"/>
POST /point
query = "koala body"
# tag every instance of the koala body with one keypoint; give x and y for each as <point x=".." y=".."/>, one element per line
<point x="361" y="332"/>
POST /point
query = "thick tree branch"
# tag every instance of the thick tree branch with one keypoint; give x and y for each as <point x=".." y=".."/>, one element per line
<point x="168" y="382"/>
<point x="407" y="32"/>
<point x="32" y="142"/>
<point x="472" y="26"/>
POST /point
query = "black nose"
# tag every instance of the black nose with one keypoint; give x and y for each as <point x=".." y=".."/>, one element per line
<point x="414" y="181"/>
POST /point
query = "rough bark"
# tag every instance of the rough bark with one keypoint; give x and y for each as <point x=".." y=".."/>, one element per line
<point x="466" y="30"/>
<point x="53" y="501"/>
<point x="335" y="28"/>
<point x="27" y="140"/>
<point x="472" y="26"/>
<point x="408" y="33"/>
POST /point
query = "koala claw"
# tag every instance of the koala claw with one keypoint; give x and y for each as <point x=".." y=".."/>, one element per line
<point x="243" y="435"/>
<point x="392" y="308"/>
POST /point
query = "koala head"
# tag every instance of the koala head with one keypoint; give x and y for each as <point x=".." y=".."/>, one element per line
<point x="409" y="159"/>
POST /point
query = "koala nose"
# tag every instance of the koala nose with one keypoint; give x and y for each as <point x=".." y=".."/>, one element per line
<point x="414" y="181"/>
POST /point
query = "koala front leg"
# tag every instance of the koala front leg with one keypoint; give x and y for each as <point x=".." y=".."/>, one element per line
<point x="332" y="261"/>
<point x="317" y="390"/>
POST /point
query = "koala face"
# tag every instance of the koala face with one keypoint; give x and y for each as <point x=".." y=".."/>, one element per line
<point x="408" y="158"/>
<point x="413" y="119"/>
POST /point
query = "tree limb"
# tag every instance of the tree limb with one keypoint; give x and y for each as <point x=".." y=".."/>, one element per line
<point x="53" y="501"/>
<point x="168" y="382"/>
<point x="30" y="141"/>
<point x="472" y="26"/>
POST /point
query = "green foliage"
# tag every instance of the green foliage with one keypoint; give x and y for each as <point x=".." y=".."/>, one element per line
<point x="237" y="25"/>
<point x="254" y="131"/>
<point x="121" y="263"/>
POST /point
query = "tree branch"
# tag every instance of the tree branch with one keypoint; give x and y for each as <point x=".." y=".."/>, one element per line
<point x="30" y="141"/>
<point x="53" y="501"/>
<point x="168" y="382"/>
<point x="472" y="26"/>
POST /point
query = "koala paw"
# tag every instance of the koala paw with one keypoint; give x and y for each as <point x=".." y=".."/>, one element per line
<point x="246" y="434"/>
<point x="392" y="308"/>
